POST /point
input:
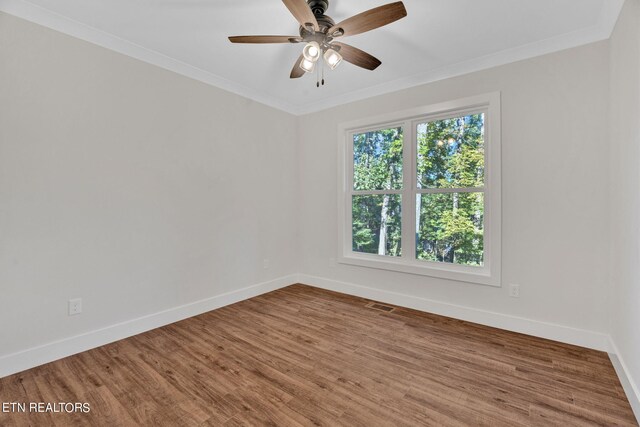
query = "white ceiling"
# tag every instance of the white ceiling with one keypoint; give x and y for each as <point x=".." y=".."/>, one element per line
<point x="438" y="39"/>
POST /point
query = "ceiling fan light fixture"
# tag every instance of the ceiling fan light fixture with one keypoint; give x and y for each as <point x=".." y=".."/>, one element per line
<point x="311" y="51"/>
<point x="307" y="65"/>
<point x="332" y="58"/>
<point x="317" y="32"/>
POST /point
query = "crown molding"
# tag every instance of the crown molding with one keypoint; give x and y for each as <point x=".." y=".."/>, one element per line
<point x="600" y="31"/>
<point x="609" y="17"/>
<point x="41" y="16"/>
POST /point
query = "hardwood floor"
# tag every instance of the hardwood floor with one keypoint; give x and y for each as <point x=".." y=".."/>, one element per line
<point x="305" y="356"/>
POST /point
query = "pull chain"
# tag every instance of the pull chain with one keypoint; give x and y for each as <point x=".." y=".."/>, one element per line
<point x="318" y="77"/>
<point x="322" y="73"/>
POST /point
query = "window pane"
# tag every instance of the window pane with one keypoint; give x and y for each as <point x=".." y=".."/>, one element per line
<point x="376" y="224"/>
<point x="451" y="152"/>
<point x="450" y="228"/>
<point x="377" y="160"/>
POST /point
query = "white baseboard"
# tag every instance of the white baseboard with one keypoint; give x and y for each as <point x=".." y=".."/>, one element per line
<point x="630" y="387"/>
<point x="26" y="359"/>
<point x="580" y="337"/>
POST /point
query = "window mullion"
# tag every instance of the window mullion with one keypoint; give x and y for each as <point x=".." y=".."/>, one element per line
<point x="408" y="194"/>
<point x="451" y="190"/>
<point x="374" y="192"/>
<point x="348" y="195"/>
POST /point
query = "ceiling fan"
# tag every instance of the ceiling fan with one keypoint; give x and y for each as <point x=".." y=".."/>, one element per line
<point x="318" y="31"/>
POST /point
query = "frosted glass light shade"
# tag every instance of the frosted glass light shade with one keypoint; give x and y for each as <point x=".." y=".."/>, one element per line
<point x="307" y="65"/>
<point x="311" y="51"/>
<point x="332" y="58"/>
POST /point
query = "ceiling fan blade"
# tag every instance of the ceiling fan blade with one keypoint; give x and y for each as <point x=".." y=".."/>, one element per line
<point x="265" y="39"/>
<point x="358" y="57"/>
<point x="371" y="19"/>
<point x="302" y="12"/>
<point x="297" y="72"/>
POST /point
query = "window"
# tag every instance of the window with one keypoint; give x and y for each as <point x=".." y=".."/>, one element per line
<point x="421" y="191"/>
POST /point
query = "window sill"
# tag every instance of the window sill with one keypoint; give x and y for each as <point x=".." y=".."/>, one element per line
<point x="460" y="273"/>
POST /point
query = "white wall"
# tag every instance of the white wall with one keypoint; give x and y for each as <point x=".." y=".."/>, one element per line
<point x="555" y="190"/>
<point x="129" y="186"/>
<point x="624" y="292"/>
<point x="140" y="190"/>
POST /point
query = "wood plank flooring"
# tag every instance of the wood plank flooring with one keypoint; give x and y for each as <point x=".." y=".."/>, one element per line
<point x="305" y="356"/>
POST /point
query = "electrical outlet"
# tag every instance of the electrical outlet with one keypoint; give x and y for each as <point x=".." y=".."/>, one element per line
<point x="514" y="291"/>
<point x="75" y="306"/>
<point x="265" y="263"/>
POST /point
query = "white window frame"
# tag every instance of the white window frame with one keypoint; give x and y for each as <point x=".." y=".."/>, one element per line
<point x="490" y="272"/>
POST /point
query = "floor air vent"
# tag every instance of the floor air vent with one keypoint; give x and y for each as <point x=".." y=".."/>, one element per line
<point x="380" y="307"/>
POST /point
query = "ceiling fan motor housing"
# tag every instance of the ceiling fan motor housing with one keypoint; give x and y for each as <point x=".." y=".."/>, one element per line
<point x="319" y="7"/>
